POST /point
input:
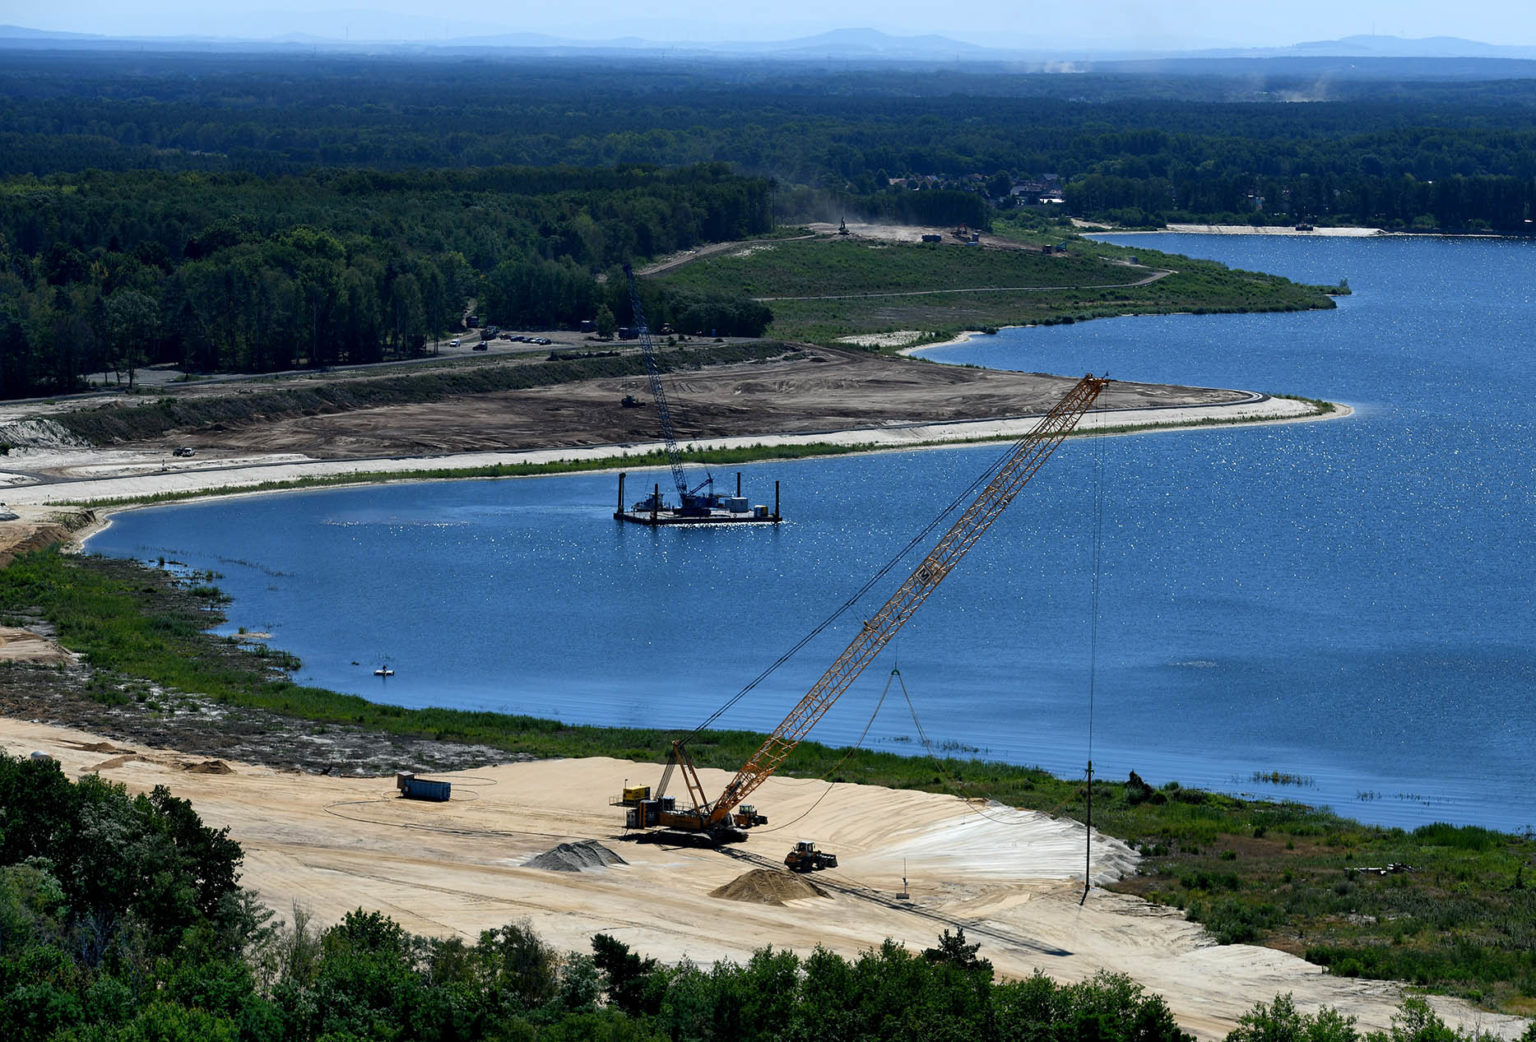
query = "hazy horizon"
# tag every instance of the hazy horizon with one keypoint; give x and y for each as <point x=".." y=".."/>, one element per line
<point x="1093" y="24"/>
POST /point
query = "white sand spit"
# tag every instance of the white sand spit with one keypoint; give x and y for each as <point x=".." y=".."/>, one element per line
<point x="132" y="480"/>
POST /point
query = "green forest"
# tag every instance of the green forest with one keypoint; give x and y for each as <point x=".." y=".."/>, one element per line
<point x="245" y="212"/>
<point x="242" y="272"/>
<point x="1370" y="151"/>
<point x="254" y="213"/>
<point x="122" y="918"/>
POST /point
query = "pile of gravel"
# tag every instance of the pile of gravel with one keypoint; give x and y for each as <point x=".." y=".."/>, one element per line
<point x="575" y="857"/>
<point x="768" y="887"/>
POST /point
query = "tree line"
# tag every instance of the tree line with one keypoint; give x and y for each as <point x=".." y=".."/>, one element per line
<point x="238" y="271"/>
<point x="1192" y="145"/>
<point x="257" y="212"/>
<point x="1481" y="203"/>
<point x="122" y="918"/>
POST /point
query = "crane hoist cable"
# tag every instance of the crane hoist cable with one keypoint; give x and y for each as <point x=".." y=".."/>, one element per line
<point x="659" y="392"/>
<point x="1028" y="456"/>
<point x="963" y="496"/>
<point x="1093" y="651"/>
<point x="830" y="771"/>
<point x="958" y="788"/>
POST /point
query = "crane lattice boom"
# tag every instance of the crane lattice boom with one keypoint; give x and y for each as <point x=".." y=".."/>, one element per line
<point x="1032" y="452"/>
<point x="721" y="816"/>
<point x="658" y="390"/>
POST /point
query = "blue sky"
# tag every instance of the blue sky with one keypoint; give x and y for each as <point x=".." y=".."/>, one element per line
<point x="1036" y="24"/>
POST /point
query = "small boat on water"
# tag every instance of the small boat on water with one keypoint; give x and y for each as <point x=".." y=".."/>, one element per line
<point x="385" y="670"/>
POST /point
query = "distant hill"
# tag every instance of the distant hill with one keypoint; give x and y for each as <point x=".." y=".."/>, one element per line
<point x="1445" y="57"/>
<point x="867" y="43"/>
<point x="1397" y="47"/>
<point x="21" y="32"/>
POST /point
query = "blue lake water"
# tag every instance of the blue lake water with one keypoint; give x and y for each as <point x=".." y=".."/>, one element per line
<point x="1346" y="602"/>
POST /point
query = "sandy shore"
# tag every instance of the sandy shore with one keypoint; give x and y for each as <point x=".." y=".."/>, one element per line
<point x="47" y="477"/>
<point x="1012" y="878"/>
<point x="1094" y="228"/>
<point x="1247" y="229"/>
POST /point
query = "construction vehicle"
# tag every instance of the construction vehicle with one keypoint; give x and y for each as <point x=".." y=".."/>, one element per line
<point x="726" y="817"/>
<point x="646" y="811"/>
<point x="804" y="857"/>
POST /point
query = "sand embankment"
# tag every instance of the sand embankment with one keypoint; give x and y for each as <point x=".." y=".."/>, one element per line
<point x="1248" y="229"/>
<point x="1095" y="228"/>
<point x="27" y="646"/>
<point x="1013" y="877"/>
<point x="79" y="476"/>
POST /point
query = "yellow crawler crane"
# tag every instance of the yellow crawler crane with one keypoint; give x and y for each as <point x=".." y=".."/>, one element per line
<point x="724" y="818"/>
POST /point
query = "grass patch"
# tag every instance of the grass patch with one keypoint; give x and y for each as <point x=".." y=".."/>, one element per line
<point x="1451" y="909"/>
<point x="825" y="288"/>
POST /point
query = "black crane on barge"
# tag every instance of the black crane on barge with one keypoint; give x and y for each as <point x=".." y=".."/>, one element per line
<point x="700" y="504"/>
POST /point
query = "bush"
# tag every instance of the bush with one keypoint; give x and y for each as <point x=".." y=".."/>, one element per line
<point x="1280" y="1022"/>
<point x="1232" y="921"/>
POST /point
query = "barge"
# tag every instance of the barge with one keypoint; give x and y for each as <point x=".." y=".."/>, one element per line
<point x="701" y="504"/>
<point x="709" y="508"/>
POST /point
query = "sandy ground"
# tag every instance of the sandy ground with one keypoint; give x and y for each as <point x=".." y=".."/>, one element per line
<point x="1011" y="878"/>
<point x="23" y="645"/>
<point x="93" y="476"/>
<point x="1245" y="229"/>
<point x="813" y="396"/>
<point x="1229" y="229"/>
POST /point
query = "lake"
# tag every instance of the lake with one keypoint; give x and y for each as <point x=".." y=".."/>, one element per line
<point x="1346" y="603"/>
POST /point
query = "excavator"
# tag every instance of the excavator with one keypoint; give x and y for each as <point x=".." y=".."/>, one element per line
<point x="726" y="817"/>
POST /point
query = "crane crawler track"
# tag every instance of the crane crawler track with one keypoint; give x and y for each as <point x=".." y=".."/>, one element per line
<point x="863" y="893"/>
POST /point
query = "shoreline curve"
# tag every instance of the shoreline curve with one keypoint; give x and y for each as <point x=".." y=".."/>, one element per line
<point x="145" y="480"/>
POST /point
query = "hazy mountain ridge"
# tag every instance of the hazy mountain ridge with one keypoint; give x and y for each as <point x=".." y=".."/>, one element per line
<point x="394" y="32"/>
